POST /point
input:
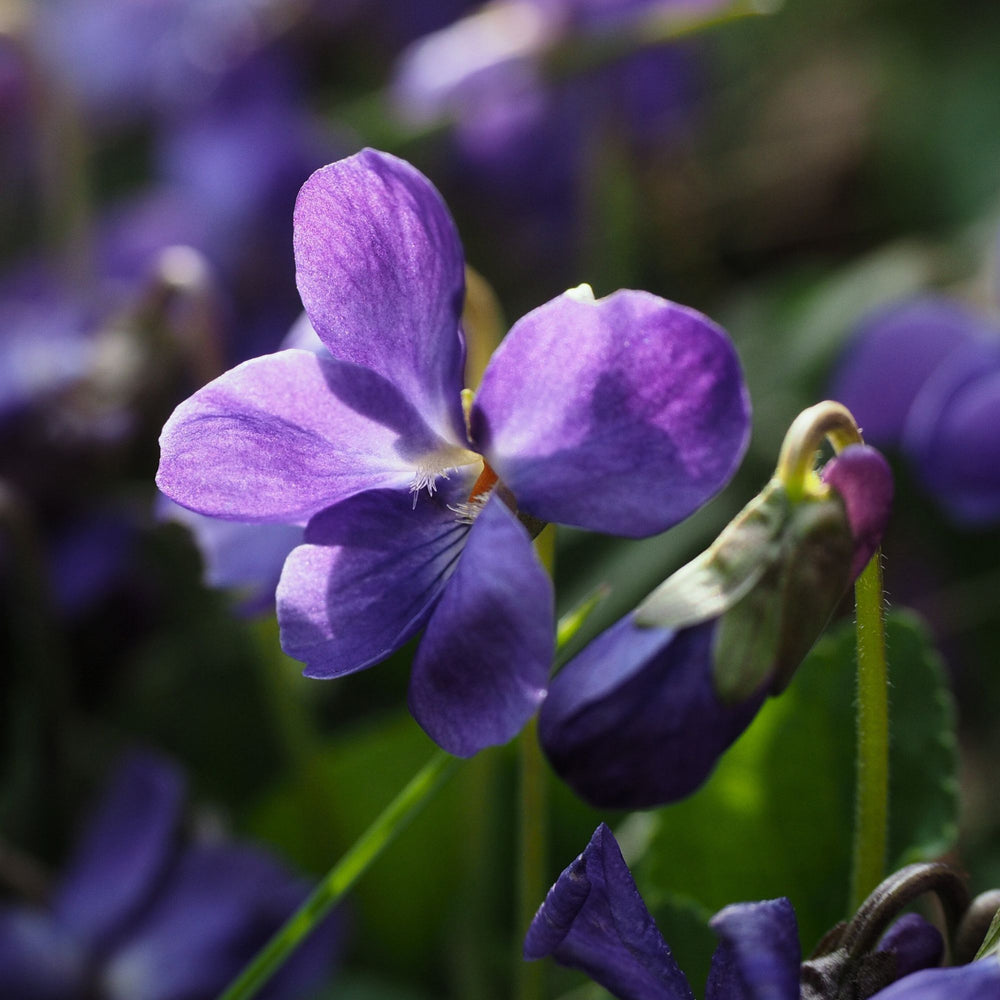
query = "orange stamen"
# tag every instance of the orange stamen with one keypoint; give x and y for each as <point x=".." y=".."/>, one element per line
<point x="486" y="481"/>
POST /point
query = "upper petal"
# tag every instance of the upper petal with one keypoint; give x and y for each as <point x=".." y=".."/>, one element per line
<point x="623" y="414"/>
<point x="634" y="721"/>
<point x="380" y="269"/>
<point x="915" y="943"/>
<point x="976" y="981"/>
<point x="483" y="663"/>
<point x="594" y="919"/>
<point x="367" y="576"/>
<point x="758" y="954"/>
<point x="123" y="851"/>
<point x="862" y="477"/>
<point x="282" y="437"/>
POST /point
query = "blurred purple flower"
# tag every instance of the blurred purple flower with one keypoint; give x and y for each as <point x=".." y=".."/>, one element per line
<point x="139" y="915"/>
<point x="637" y="718"/>
<point x="531" y="133"/>
<point x="594" y="920"/>
<point x="622" y="414"/>
<point x="156" y="57"/>
<point x="923" y="377"/>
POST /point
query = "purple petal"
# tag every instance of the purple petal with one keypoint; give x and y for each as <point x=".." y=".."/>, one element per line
<point x="221" y="906"/>
<point x="367" y="577"/>
<point x="758" y="954"/>
<point x="123" y="851"/>
<point x="484" y="661"/>
<point x="621" y="415"/>
<point x="915" y="943"/>
<point x="594" y="919"/>
<point x="862" y="477"/>
<point x="633" y="721"/>
<point x="950" y="435"/>
<point x="977" y="981"/>
<point x="38" y="959"/>
<point x="382" y="276"/>
<point x="892" y="355"/>
<point x="282" y="437"/>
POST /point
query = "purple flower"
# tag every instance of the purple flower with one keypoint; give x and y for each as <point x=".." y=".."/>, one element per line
<point x="138" y="915"/>
<point x="594" y="919"/>
<point x="641" y="716"/>
<point x="923" y="376"/>
<point x="621" y="414"/>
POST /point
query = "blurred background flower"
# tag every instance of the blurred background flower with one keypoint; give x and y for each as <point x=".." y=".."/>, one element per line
<point x="801" y="178"/>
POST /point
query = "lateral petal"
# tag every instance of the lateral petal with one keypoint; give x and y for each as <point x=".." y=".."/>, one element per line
<point x="633" y="721"/>
<point x="594" y="919"/>
<point x="622" y="415"/>
<point x="282" y="437"/>
<point x="380" y="270"/>
<point x="483" y="663"/>
<point x="366" y="578"/>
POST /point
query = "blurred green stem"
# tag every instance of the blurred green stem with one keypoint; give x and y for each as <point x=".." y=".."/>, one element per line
<point x="342" y="876"/>
<point x="871" y="817"/>
<point x="533" y="826"/>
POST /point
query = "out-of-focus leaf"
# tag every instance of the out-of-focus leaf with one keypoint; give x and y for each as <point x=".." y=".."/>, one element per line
<point x="776" y="817"/>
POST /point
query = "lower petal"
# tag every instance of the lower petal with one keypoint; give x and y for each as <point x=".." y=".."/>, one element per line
<point x="976" y="981"/>
<point x="366" y="578"/>
<point x="484" y="661"/>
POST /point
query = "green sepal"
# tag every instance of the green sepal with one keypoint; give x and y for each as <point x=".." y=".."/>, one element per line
<point x="770" y="632"/>
<point x="772" y="579"/>
<point x="726" y="572"/>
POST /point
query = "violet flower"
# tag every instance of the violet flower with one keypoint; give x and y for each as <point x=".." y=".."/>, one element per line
<point x="923" y="377"/>
<point x="642" y="714"/>
<point x="621" y="414"/>
<point x="137" y="915"/>
<point x="593" y="919"/>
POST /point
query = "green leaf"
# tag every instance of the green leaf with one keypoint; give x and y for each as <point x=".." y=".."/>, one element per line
<point x="776" y="817"/>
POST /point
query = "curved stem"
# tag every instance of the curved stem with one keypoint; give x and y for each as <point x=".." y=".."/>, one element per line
<point x="342" y="876"/>
<point x="893" y="895"/>
<point x="827" y="420"/>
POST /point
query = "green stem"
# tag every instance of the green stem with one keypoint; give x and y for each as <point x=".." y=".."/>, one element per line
<point x="871" y="819"/>
<point x="342" y="876"/>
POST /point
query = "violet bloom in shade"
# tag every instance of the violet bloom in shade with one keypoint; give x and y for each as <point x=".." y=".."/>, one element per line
<point x="140" y="915"/>
<point x="621" y="414"/>
<point x="923" y="377"/>
<point x="638" y="718"/>
<point x="593" y="919"/>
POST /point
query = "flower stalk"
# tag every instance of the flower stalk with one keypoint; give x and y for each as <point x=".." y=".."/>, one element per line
<point x="342" y="876"/>
<point x="833" y="422"/>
